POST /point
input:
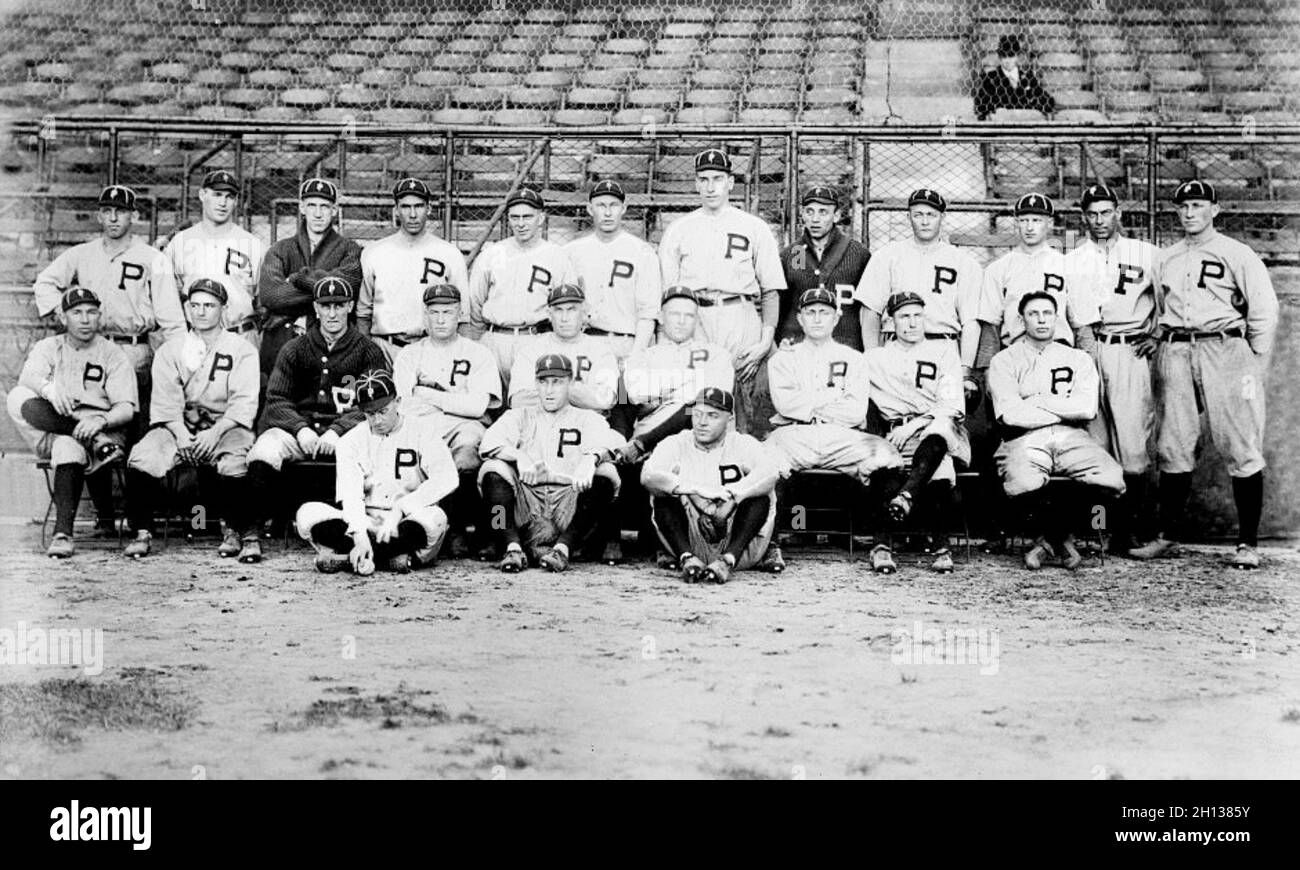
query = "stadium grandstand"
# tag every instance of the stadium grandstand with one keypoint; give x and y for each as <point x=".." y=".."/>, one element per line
<point x="872" y="97"/>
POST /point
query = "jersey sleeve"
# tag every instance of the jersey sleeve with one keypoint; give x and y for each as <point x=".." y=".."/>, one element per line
<point x="952" y="397"/>
<point x="670" y="257"/>
<point x="1008" y="405"/>
<point x="789" y="396"/>
<point x="439" y="469"/>
<point x="1261" y="301"/>
<point x="648" y="285"/>
<point x="405" y="371"/>
<point x="53" y="281"/>
<point x="767" y="260"/>
<point x="245" y="382"/>
<point x="990" y="307"/>
<point x="523" y="384"/>
<point x="167" y="395"/>
<point x="366" y="295"/>
<point x="350" y="481"/>
<point x="761" y="469"/>
<point x="661" y="472"/>
<point x="120" y="382"/>
<point x="480" y="282"/>
<point x="504" y="433"/>
<point x="970" y="286"/>
<point x="165" y="297"/>
<point x="38" y="368"/>
<point x="873" y="286"/>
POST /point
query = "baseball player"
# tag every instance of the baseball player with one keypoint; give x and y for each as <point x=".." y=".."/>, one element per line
<point x="548" y="473"/>
<point x="204" y="400"/>
<point x="219" y="249"/>
<point x="821" y="389"/>
<point x="511" y="280"/>
<point x="450" y="383"/>
<point x="1118" y="272"/>
<point x="293" y="266"/>
<point x="1218" y="316"/>
<point x="74" y="401"/>
<point x="948" y="278"/>
<point x="1044" y="395"/>
<point x="823" y="257"/>
<point x="663" y="379"/>
<point x="916" y="397"/>
<point x="619" y="273"/>
<point x="310" y="397"/>
<point x="396" y="269"/>
<point x="140" y="307"/>
<point x="1034" y="267"/>
<point x="595" y="368"/>
<point x="712" y="493"/>
<point x="732" y="260"/>
<point x="393" y="469"/>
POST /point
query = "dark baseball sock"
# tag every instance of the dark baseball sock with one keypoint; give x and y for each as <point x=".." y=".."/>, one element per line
<point x="784" y="522"/>
<point x="332" y="534"/>
<point x="40" y="414"/>
<point x="1031" y="510"/>
<point x="264" y="496"/>
<point x="746" y="522"/>
<point x="938" y="511"/>
<point x="67" y="494"/>
<point x="670" y="518"/>
<point x="680" y="421"/>
<point x="100" y="487"/>
<point x="409" y="538"/>
<point x="592" y="505"/>
<point x="929" y="453"/>
<point x="1125" y="517"/>
<point x="499" y="499"/>
<point x="1248" y="493"/>
<point x="235" y="498"/>
<point x="1174" y="490"/>
<point x="885" y="484"/>
<point x="622" y="417"/>
<point x="143" y="492"/>
<point x="464" y="507"/>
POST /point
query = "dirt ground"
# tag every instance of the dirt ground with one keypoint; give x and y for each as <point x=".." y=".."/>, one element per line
<point x="212" y="669"/>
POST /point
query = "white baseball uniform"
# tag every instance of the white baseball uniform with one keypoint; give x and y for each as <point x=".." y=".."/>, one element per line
<point x="946" y="277"/>
<point x="230" y="255"/>
<point x="1016" y="273"/>
<point x="394" y="272"/>
<point x="621" y="280"/>
<point x="922" y="380"/>
<point x="664" y="377"/>
<point x="508" y="287"/>
<point x="595" y="371"/>
<point x="450" y="387"/>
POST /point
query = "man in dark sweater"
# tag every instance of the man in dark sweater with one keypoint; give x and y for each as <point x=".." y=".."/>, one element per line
<point x="311" y="395"/>
<point x="293" y="266"/>
<point x="1010" y="85"/>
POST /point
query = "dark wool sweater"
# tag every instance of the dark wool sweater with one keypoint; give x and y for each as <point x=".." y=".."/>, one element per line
<point x="312" y="385"/>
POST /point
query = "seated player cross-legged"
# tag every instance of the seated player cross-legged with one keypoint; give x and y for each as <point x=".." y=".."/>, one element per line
<point x="75" y="399"/>
<point x="201" y="412"/>
<point x="548" y="475"/>
<point x="451" y="383"/>
<point x="1044" y="395"/>
<point x="392" y="470"/>
<point x="712" y="491"/>
<point x="820" y="390"/>
<point x="918" y="405"/>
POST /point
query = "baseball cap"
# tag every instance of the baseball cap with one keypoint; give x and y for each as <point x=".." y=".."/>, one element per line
<point x="220" y="179"/>
<point x="117" y="196"/>
<point x="437" y="294"/>
<point x="1097" y="193"/>
<point x="821" y="193"/>
<point x="319" y="187"/>
<point x="209" y="286"/>
<point x="713" y="160"/>
<point x="718" y="398"/>
<point x="679" y="291"/>
<point x="526" y="196"/>
<point x="412" y="187"/>
<point x="926" y="196"/>
<point x="565" y="293"/>
<point x="553" y="365"/>
<point x="901" y="300"/>
<point x="607" y="188"/>
<point x="1034" y="203"/>
<point x="374" y="390"/>
<point x="816" y="296"/>
<point x="331" y="289"/>
<point x="79" y="296"/>
<point x="1195" y="189"/>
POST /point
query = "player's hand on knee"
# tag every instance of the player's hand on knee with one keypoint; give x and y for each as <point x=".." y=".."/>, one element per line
<point x="205" y="445"/>
<point x="88" y="428"/>
<point x="307" y="439"/>
<point x="62" y="402"/>
<point x="327" y="443"/>
<point x="584" y="474"/>
<point x="532" y="474"/>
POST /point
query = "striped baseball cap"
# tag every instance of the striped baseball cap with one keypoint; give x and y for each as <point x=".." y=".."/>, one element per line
<point x="553" y="365"/>
<point x="716" y="397"/>
<point x="607" y="188"/>
<point x="1195" y="189"/>
<point x="331" y="288"/>
<point x="817" y="296"/>
<point x="440" y="294"/>
<point x="712" y="160"/>
<point x="926" y="196"/>
<point x="320" y="188"/>
<point x="374" y="390"/>
<point x="1034" y="203"/>
<point x="820" y="193"/>
<point x="1097" y="193"/>
<point x="412" y="187"/>
<point x="220" y="179"/>
<point x="526" y="196"/>
<point x="209" y="286"/>
<point x="902" y="300"/>
<point x="79" y="296"/>
<point x="679" y="291"/>
<point x="117" y="196"/>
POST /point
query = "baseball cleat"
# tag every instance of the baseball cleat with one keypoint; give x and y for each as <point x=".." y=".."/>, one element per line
<point x="60" y="546"/>
<point x="400" y="564"/>
<point x="773" y="562"/>
<point x="513" y="561"/>
<point x="555" y="560"/>
<point x="105" y="453"/>
<point x="900" y="506"/>
<point x="717" y="572"/>
<point x="1070" y="556"/>
<point x="1037" y="553"/>
<point x="882" y="560"/>
<point x="330" y="563"/>
<point x="692" y="568"/>
<point x="230" y="544"/>
<point x="1246" y="557"/>
<point x="665" y="561"/>
<point x="250" y="550"/>
<point x="942" y="561"/>
<point x="1152" y="549"/>
<point x="139" y="547"/>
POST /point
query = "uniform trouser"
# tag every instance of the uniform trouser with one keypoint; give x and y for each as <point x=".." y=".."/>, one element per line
<point x="737" y="327"/>
<point x="505" y="346"/>
<point x="1225" y="379"/>
<point x="156" y="454"/>
<point x="832" y="447"/>
<point x="323" y="526"/>
<point x="544" y="512"/>
<point x="1126" y="418"/>
<point x="709" y="540"/>
<point x="1027" y="462"/>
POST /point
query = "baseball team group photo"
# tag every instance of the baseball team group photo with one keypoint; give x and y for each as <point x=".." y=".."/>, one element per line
<point x="438" y="438"/>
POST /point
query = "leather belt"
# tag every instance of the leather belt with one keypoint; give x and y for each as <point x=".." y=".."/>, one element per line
<point x="544" y="326"/>
<point x="596" y="330"/>
<point x="248" y="325"/>
<point x="400" y="341"/>
<point x="1119" y="338"/>
<point x="1189" y="335"/>
<point x="139" y="338"/>
<point x="948" y="336"/>
<point x="728" y="299"/>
